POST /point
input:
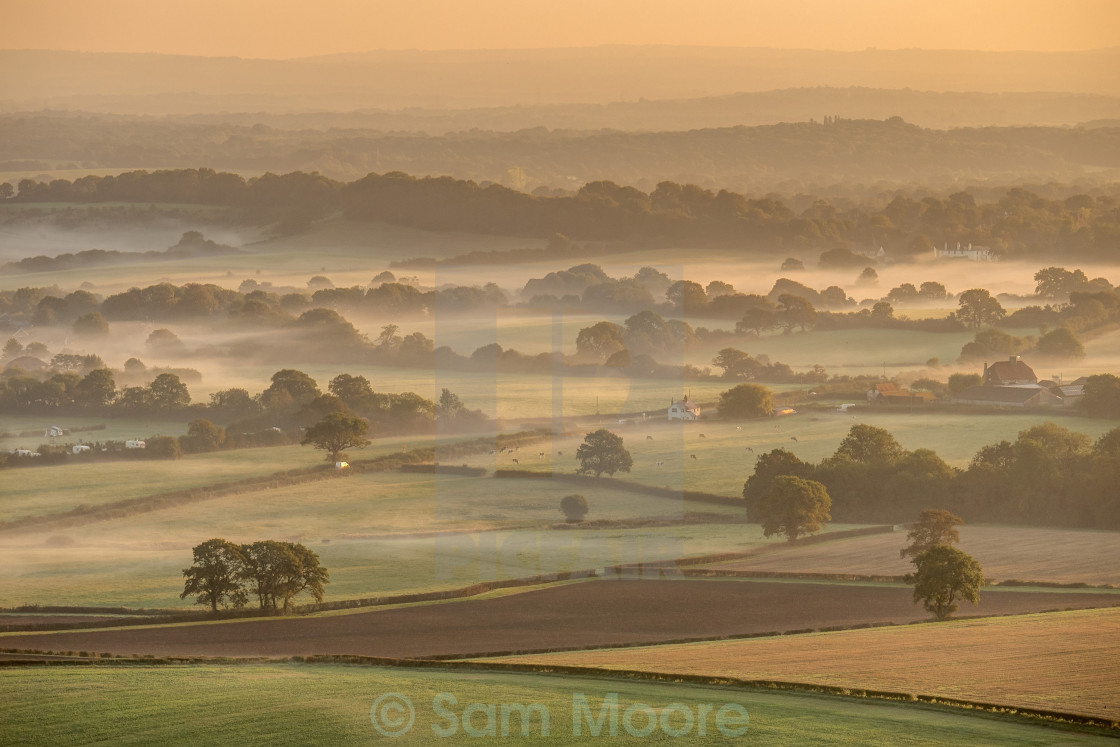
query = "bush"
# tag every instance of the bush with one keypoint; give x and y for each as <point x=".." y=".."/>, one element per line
<point x="574" y="507"/>
<point x="162" y="447"/>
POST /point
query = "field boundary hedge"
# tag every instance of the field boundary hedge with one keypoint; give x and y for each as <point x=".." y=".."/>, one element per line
<point x="623" y="485"/>
<point x="443" y="469"/>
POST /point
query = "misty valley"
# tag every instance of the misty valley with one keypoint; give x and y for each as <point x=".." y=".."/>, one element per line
<point x="800" y="395"/>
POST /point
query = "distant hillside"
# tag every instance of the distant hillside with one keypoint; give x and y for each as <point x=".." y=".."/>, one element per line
<point x="785" y="157"/>
<point x="923" y="108"/>
<point x="169" y="84"/>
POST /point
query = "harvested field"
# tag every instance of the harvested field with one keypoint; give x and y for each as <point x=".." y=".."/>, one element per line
<point x="1022" y="553"/>
<point x="597" y="613"/>
<point x="1064" y="661"/>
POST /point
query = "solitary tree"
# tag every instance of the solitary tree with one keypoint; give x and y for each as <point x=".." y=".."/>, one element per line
<point x="933" y="527"/>
<point x="794" y="506"/>
<point x="336" y="433"/>
<point x="602" y="451"/>
<point x="745" y="401"/>
<point x="942" y="575"/>
<point x="574" y="507"/>
<point x="215" y="577"/>
<point x="977" y="308"/>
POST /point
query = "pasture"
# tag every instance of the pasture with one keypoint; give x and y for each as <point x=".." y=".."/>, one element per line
<point x="1021" y="553"/>
<point x="378" y="533"/>
<point x="293" y="703"/>
<point x="726" y="453"/>
<point x="1064" y="661"/>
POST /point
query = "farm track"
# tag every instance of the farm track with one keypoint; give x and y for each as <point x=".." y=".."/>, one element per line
<point x="582" y="615"/>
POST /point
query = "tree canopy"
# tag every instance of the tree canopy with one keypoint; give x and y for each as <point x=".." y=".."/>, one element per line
<point x="943" y="575"/>
<point x="745" y="401"/>
<point x="215" y="577"/>
<point x="793" y="506"/>
<point x="933" y="527"/>
<point x="977" y="308"/>
<point x="602" y="451"/>
<point x="336" y="433"/>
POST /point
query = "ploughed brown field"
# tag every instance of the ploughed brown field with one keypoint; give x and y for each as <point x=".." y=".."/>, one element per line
<point x="595" y="613"/>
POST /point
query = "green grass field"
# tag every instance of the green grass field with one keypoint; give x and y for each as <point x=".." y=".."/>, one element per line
<point x="726" y="455"/>
<point x="321" y="703"/>
<point x="373" y="531"/>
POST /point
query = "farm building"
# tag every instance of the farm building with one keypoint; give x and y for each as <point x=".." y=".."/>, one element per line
<point x="887" y="393"/>
<point x="685" y="409"/>
<point x="975" y="254"/>
<point x="1019" y="395"/>
<point x="54" y="431"/>
<point x="1009" y="372"/>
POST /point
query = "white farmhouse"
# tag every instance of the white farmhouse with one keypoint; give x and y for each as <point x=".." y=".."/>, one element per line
<point x="685" y="409"/>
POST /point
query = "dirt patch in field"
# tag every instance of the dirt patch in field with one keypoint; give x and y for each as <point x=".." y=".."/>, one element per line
<point x="599" y="613"/>
<point x="1022" y="553"/>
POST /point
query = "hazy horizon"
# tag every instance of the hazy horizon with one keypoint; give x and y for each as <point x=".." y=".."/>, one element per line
<point x="287" y="30"/>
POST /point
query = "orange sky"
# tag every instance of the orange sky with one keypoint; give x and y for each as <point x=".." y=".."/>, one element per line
<point x="296" y="28"/>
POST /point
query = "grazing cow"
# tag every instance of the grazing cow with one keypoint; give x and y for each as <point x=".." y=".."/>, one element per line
<point x="649" y="438"/>
<point x="692" y="456"/>
<point x="702" y="436"/>
<point x="750" y="449"/>
<point x="516" y="462"/>
<point x="559" y="453"/>
<point x="541" y="454"/>
<point x="793" y="438"/>
<point x="659" y="464"/>
<point x="738" y="427"/>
